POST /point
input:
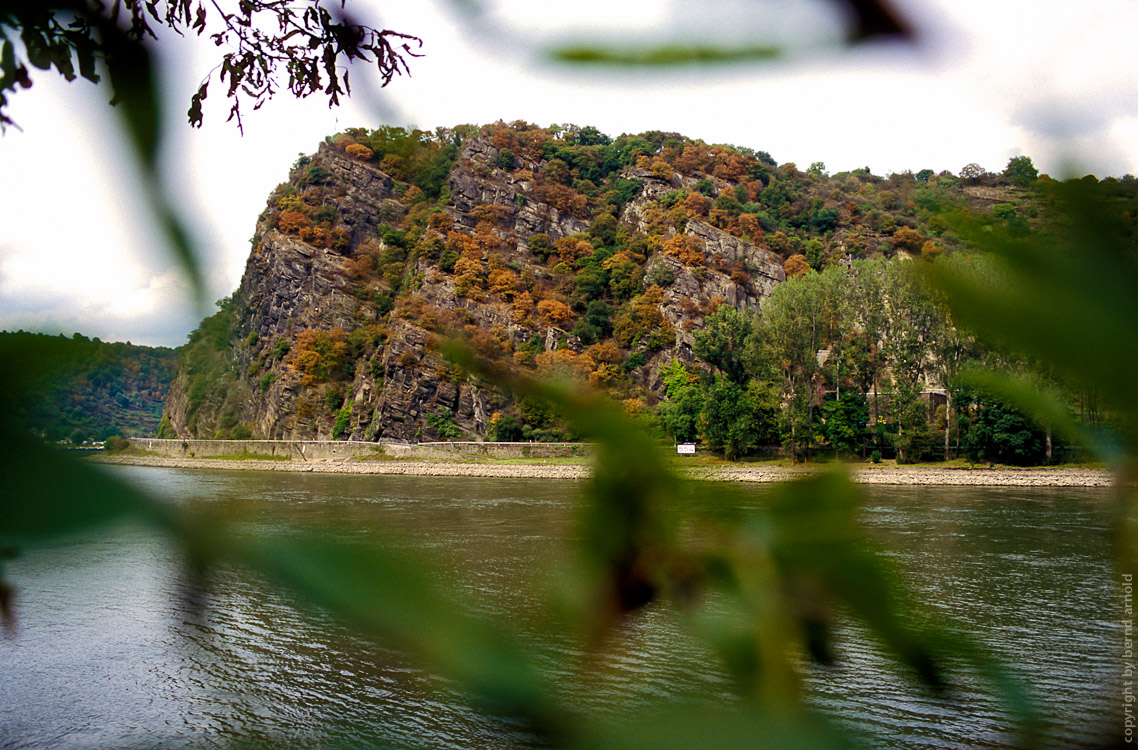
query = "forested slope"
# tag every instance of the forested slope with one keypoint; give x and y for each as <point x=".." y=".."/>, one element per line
<point x="638" y="265"/>
<point x="94" y="389"/>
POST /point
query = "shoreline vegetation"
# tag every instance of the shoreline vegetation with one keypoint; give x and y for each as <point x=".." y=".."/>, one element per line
<point x="884" y="473"/>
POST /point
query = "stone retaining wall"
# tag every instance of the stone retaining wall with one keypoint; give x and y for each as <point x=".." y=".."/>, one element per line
<point x="347" y="450"/>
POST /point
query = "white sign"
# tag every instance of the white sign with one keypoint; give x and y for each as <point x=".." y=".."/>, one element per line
<point x="686" y="448"/>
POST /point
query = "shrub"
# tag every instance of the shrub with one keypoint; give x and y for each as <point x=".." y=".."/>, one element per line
<point x="358" y="151"/>
<point x="115" y="444"/>
<point x="343" y="419"/>
<point x="442" y="422"/>
<point x="334" y="397"/>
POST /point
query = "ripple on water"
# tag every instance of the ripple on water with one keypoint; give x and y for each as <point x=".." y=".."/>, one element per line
<point x="118" y="647"/>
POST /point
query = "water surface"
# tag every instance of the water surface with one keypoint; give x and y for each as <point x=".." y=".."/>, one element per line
<point x="117" y="646"/>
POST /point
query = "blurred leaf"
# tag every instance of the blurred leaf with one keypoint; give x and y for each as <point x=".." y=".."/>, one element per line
<point x="48" y="492"/>
<point x="136" y="95"/>
<point x="1031" y="396"/>
<point x="397" y="596"/>
<point x="1065" y="297"/>
<point x="702" y="725"/>
<point x="663" y="56"/>
<point x="819" y="545"/>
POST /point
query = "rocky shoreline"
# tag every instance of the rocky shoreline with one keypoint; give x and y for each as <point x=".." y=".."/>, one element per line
<point x="865" y="474"/>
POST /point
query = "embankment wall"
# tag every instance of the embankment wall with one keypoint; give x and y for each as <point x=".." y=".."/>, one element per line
<point x="347" y="450"/>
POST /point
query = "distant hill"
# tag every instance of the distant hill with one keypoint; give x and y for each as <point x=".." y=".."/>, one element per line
<point x="92" y="389"/>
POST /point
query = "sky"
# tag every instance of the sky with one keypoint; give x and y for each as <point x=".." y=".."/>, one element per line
<point x="987" y="81"/>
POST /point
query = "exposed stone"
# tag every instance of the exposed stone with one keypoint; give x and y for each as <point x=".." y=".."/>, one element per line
<point x="402" y="389"/>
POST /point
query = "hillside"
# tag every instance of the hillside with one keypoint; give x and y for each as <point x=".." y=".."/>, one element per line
<point x="93" y="389"/>
<point x="557" y="249"/>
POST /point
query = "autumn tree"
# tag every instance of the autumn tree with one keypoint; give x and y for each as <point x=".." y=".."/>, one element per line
<point x="358" y="151"/>
<point x="908" y="239"/>
<point x="320" y="355"/>
<point x="796" y="265"/>
<point x="640" y="321"/>
<point x="555" y="312"/>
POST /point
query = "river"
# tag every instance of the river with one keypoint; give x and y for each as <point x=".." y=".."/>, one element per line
<point x="117" y="647"/>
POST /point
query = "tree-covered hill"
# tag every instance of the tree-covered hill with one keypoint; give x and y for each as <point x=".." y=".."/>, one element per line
<point x="93" y="389"/>
<point x="567" y="253"/>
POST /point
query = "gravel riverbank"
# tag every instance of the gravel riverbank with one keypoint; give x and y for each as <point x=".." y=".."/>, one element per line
<point x="866" y="474"/>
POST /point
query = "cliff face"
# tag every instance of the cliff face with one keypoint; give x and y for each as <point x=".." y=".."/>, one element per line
<point x="357" y="272"/>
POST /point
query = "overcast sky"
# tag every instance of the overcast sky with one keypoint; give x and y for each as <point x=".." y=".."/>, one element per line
<point x="990" y="80"/>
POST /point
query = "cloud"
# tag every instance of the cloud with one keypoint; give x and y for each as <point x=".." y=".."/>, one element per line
<point x="153" y="310"/>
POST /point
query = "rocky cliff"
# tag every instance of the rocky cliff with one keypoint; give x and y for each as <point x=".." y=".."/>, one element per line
<point x="558" y="250"/>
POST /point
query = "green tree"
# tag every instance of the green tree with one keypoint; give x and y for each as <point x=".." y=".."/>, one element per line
<point x="737" y="419"/>
<point x="997" y="432"/>
<point x="1021" y="171"/>
<point x="913" y="320"/>
<point x="788" y="341"/>
<point x="844" y="422"/>
<point x="680" y="412"/>
<point x="725" y="342"/>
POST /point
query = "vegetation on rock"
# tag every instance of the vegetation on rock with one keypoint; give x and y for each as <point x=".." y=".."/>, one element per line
<point x="608" y="261"/>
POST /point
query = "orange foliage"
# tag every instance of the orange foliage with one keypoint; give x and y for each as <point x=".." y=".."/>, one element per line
<point x="796" y="265"/>
<point x="557" y="313"/>
<point x="486" y="239"/>
<point x="564" y="363"/>
<point x="317" y="355"/>
<point x="359" y="151"/>
<point x="564" y="199"/>
<point x="503" y="282"/>
<point x="523" y="306"/>
<point x="694" y="158"/>
<point x="486" y="344"/>
<point x="441" y="221"/>
<point x="687" y="248"/>
<point x="491" y="213"/>
<point x="317" y="236"/>
<point x="462" y="243"/>
<point x="661" y="169"/>
<point x="730" y="166"/>
<point x="908" y="239"/>
<point x="291" y="222"/>
<point x="747" y="225"/>
<point x="696" y="203"/>
<point x="570" y="249"/>
<point x="606" y="352"/>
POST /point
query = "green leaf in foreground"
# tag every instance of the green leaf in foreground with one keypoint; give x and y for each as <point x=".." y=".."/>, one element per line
<point x="663" y="56"/>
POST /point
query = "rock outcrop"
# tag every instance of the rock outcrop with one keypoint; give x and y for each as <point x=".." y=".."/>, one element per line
<point x="356" y="275"/>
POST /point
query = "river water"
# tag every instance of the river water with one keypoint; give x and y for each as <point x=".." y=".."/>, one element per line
<point x="111" y="651"/>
